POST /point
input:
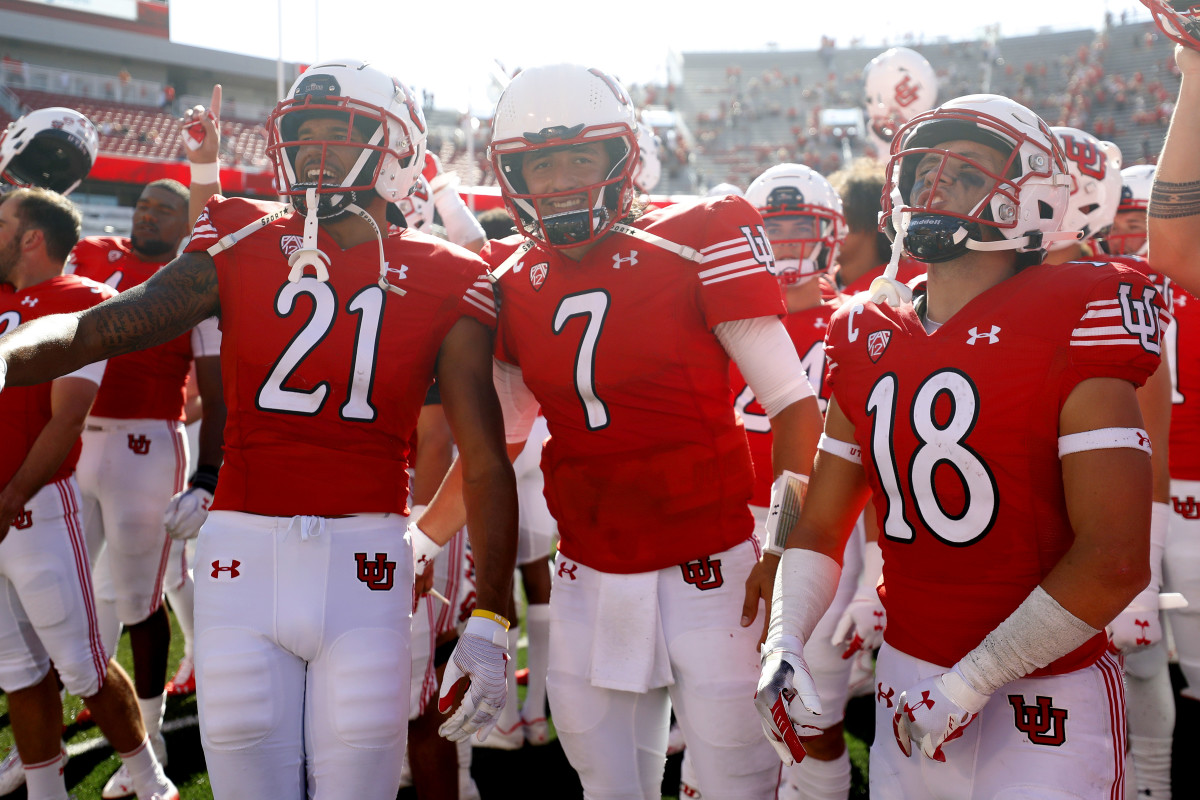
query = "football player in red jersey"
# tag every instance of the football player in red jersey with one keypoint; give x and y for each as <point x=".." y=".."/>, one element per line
<point x="135" y="453"/>
<point x="1097" y="191"/>
<point x="621" y="326"/>
<point x="43" y="556"/>
<point x="331" y="336"/>
<point x="993" y="415"/>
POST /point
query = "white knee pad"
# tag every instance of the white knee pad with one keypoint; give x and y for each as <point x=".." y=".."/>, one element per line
<point x="239" y="691"/>
<point x="367" y="670"/>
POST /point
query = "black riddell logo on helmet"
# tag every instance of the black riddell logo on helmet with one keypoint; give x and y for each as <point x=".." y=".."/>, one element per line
<point x="318" y="86"/>
<point x="552" y="133"/>
<point x="785" y="197"/>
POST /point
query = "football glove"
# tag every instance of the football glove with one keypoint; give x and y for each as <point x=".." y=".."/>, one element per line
<point x="1138" y="626"/>
<point x="186" y="512"/>
<point x="862" y="624"/>
<point x="935" y="711"/>
<point x="784" y="680"/>
<point x="479" y="660"/>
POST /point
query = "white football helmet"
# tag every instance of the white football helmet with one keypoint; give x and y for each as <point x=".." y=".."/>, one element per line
<point x="417" y="207"/>
<point x="649" y="167"/>
<point x="900" y="84"/>
<point x="1136" y="182"/>
<point x="554" y="107"/>
<point x="1025" y="203"/>
<point x="1178" y="19"/>
<point x="796" y="192"/>
<point x="1095" y="169"/>
<point x="376" y="104"/>
<point x="53" y="148"/>
<point x="724" y="190"/>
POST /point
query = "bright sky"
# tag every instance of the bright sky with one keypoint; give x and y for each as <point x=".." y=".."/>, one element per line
<point x="448" y="46"/>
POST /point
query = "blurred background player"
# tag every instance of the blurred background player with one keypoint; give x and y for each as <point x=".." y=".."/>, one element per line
<point x="462" y="228"/>
<point x="899" y="84"/>
<point x="1097" y="190"/>
<point x="43" y="556"/>
<point x="1127" y="236"/>
<point x="649" y="166"/>
<point x="135" y="452"/>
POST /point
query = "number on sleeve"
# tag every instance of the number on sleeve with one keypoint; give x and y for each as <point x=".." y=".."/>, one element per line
<point x="593" y="305"/>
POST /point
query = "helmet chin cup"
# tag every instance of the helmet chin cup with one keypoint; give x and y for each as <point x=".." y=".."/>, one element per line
<point x="934" y="238"/>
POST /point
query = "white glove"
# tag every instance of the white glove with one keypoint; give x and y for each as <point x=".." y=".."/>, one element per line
<point x="186" y="512"/>
<point x="862" y="624"/>
<point x="479" y="659"/>
<point x="1138" y="626"/>
<point x="425" y="550"/>
<point x="784" y="678"/>
<point x="934" y="712"/>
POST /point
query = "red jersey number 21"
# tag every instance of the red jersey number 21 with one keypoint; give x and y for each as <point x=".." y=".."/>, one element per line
<point x="592" y="306"/>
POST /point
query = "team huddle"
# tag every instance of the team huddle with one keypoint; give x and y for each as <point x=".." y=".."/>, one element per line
<point x="918" y="428"/>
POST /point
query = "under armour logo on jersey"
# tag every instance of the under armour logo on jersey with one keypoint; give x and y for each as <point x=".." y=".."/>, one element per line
<point x="401" y="273"/>
<point x="631" y="259"/>
<point x="1140" y="317"/>
<point x="1042" y="723"/>
<point x="378" y="575"/>
<point x="538" y="274"/>
<point x="23" y="520"/>
<point x="907" y="91"/>
<point x="1186" y="507"/>
<point x="232" y="569"/>
<point x="704" y="573"/>
<point x="877" y="344"/>
<point x="140" y="445"/>
<point x="30" y="301"/>
<point x="881" y="695"/>
<point x="991" y="336"/>
<point x="925" y="701"/>
<point x="820" y="323"/>
<point x="565" y="571"/>
<point x="114" y="255"/>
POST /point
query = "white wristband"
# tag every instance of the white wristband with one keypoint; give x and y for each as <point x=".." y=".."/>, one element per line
<point x="206" y="173"/>
<point x="425" y="550"/>
<point x="3" y="373"/>
<point x="787" y="495"/>
<point x="836" y="447"/>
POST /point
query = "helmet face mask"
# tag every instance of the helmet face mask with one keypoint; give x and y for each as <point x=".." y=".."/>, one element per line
<point x="1022" y="188"/>
<point x="545" y="112"/>
<point x="53" y="148"/>
<point x="802" y="216"/>
<point x="368" y="119"/>
<point x="1127" y="236"/>
<point x="1178" y="19"/>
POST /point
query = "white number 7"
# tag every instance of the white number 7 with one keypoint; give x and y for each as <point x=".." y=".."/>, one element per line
<point x="593" y="305"/>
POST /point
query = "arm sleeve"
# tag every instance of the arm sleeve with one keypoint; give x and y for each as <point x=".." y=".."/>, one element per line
<point x="461" y="225"/>
<point x="516" y="401"/>
<point x="206" y="339"/>
<point x="767" y="359"/>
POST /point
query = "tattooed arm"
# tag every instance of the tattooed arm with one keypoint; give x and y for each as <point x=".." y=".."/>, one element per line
<point x="173" y="301"/>
<point x="1174" y="213"/>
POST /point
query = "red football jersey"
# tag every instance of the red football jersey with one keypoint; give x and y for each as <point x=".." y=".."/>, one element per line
<point x="807" y="329"/>
<point x="647" y="465"/>
<point x="1183" y="349"/>
<point x="959" y="431"/>
<point x="145" y="384"/>
<point x="324" y="381"/>
<point x="25" y="410"/>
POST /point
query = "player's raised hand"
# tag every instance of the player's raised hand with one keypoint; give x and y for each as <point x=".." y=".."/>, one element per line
<point x="787" y="699"/>
<point x="478" y="661"/>
<point x="935" y="711"/>
<point x="202" y="131"/>
<point x="1187" y="59"/>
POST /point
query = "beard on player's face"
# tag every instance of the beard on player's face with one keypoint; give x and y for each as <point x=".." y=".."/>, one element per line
<point x="10" y="254"/>
<point x="150" y="247"/>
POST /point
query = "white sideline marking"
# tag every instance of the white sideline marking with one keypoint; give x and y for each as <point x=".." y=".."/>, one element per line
<point x="95" y="744"/>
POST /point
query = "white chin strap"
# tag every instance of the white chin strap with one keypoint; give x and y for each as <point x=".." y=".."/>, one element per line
<point x="309" y="255"/>
<point x="1024" y="241"/>
<point x="886" y="290"/>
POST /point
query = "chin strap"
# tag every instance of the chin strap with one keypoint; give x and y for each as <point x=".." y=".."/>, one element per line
<point x="1033" y="241"/>
<point x="384" y="283"/>
<point x="886" y="290"/>
<point x="309" y="255"/>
